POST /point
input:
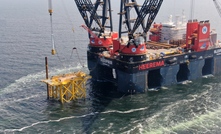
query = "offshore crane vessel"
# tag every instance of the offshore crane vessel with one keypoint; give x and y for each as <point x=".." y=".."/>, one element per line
<point x="136" y="62"/>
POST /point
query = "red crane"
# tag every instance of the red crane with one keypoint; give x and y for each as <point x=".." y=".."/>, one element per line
<point x="89" y="31"/>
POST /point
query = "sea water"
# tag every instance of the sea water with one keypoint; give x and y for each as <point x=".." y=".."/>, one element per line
<point x="25" y="40"/>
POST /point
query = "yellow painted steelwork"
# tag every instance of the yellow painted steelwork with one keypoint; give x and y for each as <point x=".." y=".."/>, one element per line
<point x="53" y="51"/>
<point x="50" y="11"/>
<point x="67" y="87"/>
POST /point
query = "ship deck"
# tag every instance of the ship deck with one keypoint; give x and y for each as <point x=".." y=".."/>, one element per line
<point x="157" y="50"/>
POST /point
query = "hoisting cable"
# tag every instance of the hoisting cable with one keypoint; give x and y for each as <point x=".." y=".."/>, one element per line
<point x="69" y="18"/>
<point x="53" y="51"/>
<point x="50" y="10"/>
<point x="77" y="56"/>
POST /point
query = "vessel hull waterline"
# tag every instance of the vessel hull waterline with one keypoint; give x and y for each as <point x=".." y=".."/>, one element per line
<point x="139" y="77"/>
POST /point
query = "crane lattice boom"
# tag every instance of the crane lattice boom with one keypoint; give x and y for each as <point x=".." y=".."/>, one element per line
<point x="149" y="8"/>
<point x="217" y="7"/>
<point x="89" y="13"/>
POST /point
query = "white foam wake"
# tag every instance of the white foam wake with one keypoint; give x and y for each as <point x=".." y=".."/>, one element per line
<point x="48" y="121"/>
<point x="125" y="112"/>
<point x="28" y="83"/>
<point x="72" y="117"/>
<point x="185" y="82"/>
<point x="14" y="100"/>
<point x="206" y="120"/>
<point x="33" y="79"/>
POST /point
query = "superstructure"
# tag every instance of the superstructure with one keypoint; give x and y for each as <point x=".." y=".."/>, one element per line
<point x="143" y="54"/>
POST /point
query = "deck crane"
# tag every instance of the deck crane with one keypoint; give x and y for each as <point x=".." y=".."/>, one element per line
<point x="149" y="7"/>
<point x="217" y="7"/>
<point x="89" y="31"/>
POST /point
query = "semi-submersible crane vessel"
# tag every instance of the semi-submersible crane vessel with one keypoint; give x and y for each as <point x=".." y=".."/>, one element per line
<point x="135" y="61"/>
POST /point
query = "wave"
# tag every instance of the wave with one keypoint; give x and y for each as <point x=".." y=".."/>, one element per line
<point x="15" y="100"/>
<point x="203" y="121"/>
<point x="17" y="90"/>
<point x="73" y="117"/>
<point x="48" y="121"/>
<point x="206" y="120"/>
<point x="196" y="120"/>
<point x="185" y="82"/>
<point x="33" y="79"/>
<point x="125" y="112"/>
<point x="152" y="123"/>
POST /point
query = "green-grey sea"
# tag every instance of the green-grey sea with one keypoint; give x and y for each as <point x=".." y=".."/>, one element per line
<point x="25" y="40"/>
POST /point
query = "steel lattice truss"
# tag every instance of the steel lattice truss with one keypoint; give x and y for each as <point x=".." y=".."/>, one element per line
<point x="89" y="13"/>
<point x="148" y="9"/>
<point x="146" y="14"/>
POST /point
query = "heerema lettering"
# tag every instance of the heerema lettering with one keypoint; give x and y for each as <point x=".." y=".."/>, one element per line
<point x="151" y="65"/>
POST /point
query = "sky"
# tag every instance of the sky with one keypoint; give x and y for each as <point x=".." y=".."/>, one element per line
<point x="204" y="9"/>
